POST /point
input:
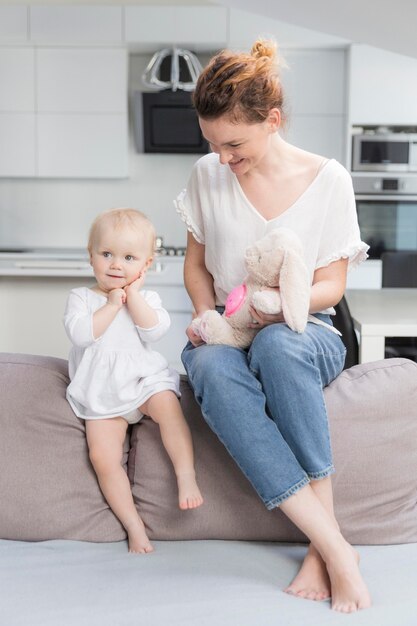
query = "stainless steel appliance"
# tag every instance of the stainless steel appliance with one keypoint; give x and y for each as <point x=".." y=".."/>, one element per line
<point x="387" y="211"/>
<point x="374" y="151"/>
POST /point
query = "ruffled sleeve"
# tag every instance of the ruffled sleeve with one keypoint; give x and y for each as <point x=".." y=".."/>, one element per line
<point x="188" y="205"/>
<point x="340" y="236"/>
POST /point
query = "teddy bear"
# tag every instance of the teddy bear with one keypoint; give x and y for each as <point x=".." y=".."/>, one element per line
<point x="276" y="260"/>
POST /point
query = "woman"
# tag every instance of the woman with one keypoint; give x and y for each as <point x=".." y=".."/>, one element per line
<point x="266" y="404"/>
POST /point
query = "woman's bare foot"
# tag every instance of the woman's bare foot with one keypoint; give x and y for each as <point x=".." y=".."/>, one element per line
<point x="349" y="591"/>
<point x="138" y="539"/>
<point x="189" y="495"/>
<point x="312" y="581"/>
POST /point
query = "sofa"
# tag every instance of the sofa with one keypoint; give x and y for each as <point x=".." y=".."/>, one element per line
<point x="63" y="554"/>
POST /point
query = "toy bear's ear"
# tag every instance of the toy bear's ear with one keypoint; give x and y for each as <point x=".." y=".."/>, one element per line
<point x="294" y="286"/>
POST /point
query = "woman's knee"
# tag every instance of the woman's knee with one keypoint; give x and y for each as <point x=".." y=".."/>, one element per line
<point x="276" y="341"/>
<point x="209" y="365"/>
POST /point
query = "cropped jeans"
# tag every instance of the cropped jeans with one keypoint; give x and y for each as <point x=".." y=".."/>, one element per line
<point x="266" y="404"/>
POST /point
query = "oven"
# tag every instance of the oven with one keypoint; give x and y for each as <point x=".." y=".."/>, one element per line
<point x="387" y="212"/>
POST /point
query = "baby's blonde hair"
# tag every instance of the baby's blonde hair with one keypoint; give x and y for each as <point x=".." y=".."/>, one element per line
<point x="121" y="218"/>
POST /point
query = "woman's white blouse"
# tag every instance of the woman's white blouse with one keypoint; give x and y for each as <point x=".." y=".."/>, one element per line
<point x="220" y="216"/>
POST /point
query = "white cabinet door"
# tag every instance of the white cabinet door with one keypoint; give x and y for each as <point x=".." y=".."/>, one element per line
<point x="383" y="87"/>
<point x="17" y="112"/>
<point x="314" y="81"/>
<point x="84" y="80"/>
<point x="150" y="27"/>
<point x="13" y="24"/>
<point x="314" y="90"/>
<point x="82" y="145"/>
<point x="78" y="25"/>
<point x="17" y="79"/>
<point x="82" y="112"/>
<point x="17" y="144"/>
<point x="42" y="331"/>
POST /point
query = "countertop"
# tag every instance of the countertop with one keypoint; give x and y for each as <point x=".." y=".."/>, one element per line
<point x="73" y="262"/>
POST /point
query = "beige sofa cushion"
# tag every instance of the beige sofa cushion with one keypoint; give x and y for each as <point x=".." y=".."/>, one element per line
<point x="373" y="417"/>
<point x="48" y="489"/>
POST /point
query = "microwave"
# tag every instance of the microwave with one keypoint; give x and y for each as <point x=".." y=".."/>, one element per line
<point x="385" y="152"/>
<point x="166" y="122"/>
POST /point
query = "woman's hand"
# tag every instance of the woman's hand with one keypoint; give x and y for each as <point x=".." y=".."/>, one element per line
<point x="260" y="319"/>
<point x="193" y="337"/>
<point x="264" y="319"/>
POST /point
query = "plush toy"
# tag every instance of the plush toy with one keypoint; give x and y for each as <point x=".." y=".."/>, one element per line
<point x="276" y="260"/>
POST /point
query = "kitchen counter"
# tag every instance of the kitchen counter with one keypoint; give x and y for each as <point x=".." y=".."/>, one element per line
<point x="34" y="286"/>
<point x="165" y="270"/>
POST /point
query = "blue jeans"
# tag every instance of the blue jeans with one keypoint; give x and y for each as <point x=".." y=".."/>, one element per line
<point x="266" y="404"/>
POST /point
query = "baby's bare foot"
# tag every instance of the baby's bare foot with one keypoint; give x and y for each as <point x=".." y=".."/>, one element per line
<point x="349" y="591"/>
<point x="138" y="540"/>
<point x="189" y="495"/>
<point x="312" y="581"/>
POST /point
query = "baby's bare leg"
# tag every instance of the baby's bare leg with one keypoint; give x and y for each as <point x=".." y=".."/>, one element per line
<point x="165" y="409"/>
<point x="105" y="440"/>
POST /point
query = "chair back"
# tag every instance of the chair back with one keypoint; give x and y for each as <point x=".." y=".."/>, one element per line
<point x="344" y="323"/>
<point x="399" y="269"/>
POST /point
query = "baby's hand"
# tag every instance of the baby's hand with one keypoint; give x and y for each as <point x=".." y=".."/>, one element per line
<point x="117" y="297"/>
<point x="136" y="285"/>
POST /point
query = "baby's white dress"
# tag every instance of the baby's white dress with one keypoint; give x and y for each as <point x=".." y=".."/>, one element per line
<point x="113" y="375"/>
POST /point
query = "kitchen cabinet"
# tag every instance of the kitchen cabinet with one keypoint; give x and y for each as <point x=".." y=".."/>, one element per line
<point x="13" y="24"/>
<point x="63" y="112"/>
<point x="17" y="80"/>
<point x="75" y="25"/>
<point x="314" y="83"/>
<point x="383" y="87"/>
<point x="17" y="112"/>
<point x="33" y="302"/>
<point x="17" y="145"/>
<point x="82" y="112"/>
<point x="148" y="28"/>
<point x="72" y="80"/>
<point x="82" y="146"/>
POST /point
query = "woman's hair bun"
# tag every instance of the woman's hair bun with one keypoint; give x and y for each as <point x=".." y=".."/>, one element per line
<point x="264" y="48"/>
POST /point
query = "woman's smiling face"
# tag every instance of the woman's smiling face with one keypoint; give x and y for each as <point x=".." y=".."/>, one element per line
<point x="239" y="145"/>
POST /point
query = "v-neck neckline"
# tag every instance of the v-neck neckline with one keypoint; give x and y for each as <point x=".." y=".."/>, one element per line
<point x="238" y="186"/>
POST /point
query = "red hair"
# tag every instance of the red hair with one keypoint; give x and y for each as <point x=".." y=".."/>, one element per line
<point x="243" y="86"/>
